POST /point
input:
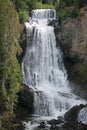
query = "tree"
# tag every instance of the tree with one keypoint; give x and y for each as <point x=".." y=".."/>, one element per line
<point x="10" y="72"/>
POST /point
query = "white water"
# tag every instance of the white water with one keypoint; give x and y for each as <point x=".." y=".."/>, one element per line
<point x="43" y="68"/>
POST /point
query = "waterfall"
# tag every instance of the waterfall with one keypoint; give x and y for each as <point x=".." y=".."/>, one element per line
<point x="43" y="68"/>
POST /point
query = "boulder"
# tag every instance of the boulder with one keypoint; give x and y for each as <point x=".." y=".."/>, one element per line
<point x="55" y="23"/>
<point x="56" y="121"/>
<point x="82" y="116"/>
<point x="72" y="114"/>
<point x="72" y="126"/>
<point x="26" y="97"/>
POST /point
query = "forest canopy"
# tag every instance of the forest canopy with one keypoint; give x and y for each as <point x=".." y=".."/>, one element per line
<point x="24" y="7"/>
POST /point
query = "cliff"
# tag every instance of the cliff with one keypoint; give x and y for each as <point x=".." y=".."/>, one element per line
<point x="73" y="41"/>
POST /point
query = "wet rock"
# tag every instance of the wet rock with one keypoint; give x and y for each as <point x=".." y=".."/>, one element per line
<point x="42" y="124"/>
<point x="26" y="97"/>
<point x="72" y="114"/>
<point x="60" y="124"/>
<point x="55" y="122"/>
<point x="20" y="126"/>
<point x="82" y="116"/>
<point x="55" y="23"/>
<point x="60" y="119"/>
<point x="73" y="126"/>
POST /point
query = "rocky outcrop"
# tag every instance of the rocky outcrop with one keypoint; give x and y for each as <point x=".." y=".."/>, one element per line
<point x="26" y="97"/>
<point x="82" y="115"/>
<point x="55" y="23"/>
<point x="73" y="42"/>
<point x="69" y="122"/>
<point x="74" y="37"/>
<point x="23" y="43"/>
<point x="72" y="114"/>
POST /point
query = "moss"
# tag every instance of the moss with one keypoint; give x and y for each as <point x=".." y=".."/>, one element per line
<point x="79" y="73"/>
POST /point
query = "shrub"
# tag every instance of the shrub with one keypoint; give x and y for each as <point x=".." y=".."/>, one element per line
<point x="23" y="15"/>
<point x="39" y="5"/>
<point x="63" y="13"/>
<point x="57" y="5"/>
<point x="74" y="13"/>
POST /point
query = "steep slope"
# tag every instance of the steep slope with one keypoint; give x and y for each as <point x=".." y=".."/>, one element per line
<point x="73" y="39"/>
<point x="10" y="73"/>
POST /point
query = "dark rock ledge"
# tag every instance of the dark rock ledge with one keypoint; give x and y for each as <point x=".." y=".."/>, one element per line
<point x="26" y="97"/>
<point x="68" y="122"/>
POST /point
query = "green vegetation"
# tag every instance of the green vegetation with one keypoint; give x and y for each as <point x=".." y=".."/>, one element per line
<point x="10" y="73"/>
<point x="12" y="13"/>
<point x="70" y="8"/>
<point x="23" y="16"/>
<point x="79" y="73"/>
<point x="39" y="5"/>
<point x="68" y="12"/>
<point x="24" y="7"/>
<point x="65" y="8"/>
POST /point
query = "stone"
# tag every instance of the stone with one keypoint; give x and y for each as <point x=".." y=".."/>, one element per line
<point x="72" y="114"/>
<point x="26" y="97"/>
<point x="82" y="116"/>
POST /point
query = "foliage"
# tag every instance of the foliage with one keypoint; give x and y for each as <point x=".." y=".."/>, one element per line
<point x="69" y="12"/>
<point x="23" y="15"/>
<point x="31" y="4"/>
<point x="47" y="2"/>
<point x="77" y="3"/>
<point x="57" y="5"/>
<point x="39" y="5"/>
<point x="10" y="73"/>
<point x="63" y="13"/>
<point x="74" y="13"/>
<point x="24" y="7"/>
<point x="69" y="8"/>
<point x="20" y="4"/>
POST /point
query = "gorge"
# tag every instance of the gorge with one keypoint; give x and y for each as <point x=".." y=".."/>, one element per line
<point x="43" y="69"/>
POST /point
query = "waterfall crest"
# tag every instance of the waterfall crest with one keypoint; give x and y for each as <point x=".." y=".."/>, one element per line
<point x="43" y="68"/>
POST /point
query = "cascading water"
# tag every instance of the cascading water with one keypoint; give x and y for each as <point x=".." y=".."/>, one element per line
<point x="43" y="69"/>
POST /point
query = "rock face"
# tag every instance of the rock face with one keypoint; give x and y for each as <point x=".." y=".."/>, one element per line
<point x="70" y="121"/>
<point x="23" y="43"/>
<point x="74" y="36"/>
<point x="73" y="41"/>
<point x="55" y="23"/>
<point x="72" y="114"/>
<point x="82" y="116"/>
<point x="26" y="97"/>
